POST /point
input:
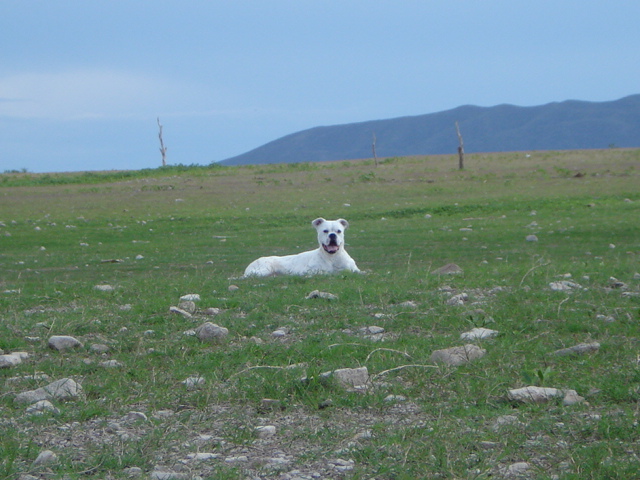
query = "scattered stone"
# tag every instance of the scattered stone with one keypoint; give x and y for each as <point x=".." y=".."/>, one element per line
<point x="516" y="469"/>
<point x="190" y="297"/>
<point x="203" y="456"/>
<point x="615" y="283"/>
<point x="188" y="306"/>
<point x="279" y="333"/>
<point x="237" y="459"/>
<point x="448" y="269"/>
<point x="395" y="398"/>
<point x="319" y="294"/>
<point x="180" y="311"/>
<point x="99" y="348"/>
<point x="456" y="356"/>
<point x="265" y="431"/>
<point x="9" y="360"/>
<point x="64" y="389"/>
<point x="269" y="405"/>
<point x="478" y="334"/>
<point x="132" y="471"/>
<point x="169" y="475"/>
<point x="193" y="383"/>
<point x="531" y="238"/>
<point x="342" y="465"/>
<point x="212" y="311"/>
<point x="111" y="364"/>
<point x="606" y="318"/>
<point x="564" y="286"/>
<point x="139" y="257"/>
<point x="233" y="288"/>
<point x="357" y="378"/>
<point x="533" y="394"/>
<point x="210" y="332"/>
<point x="459" y="299"/>
<point x="505" y="421"/>
<point x="105" y="288"/>
<point x="408" y="304"/>
<point x="64" y="342"/>
<point x="46" y="457"/>
<point x="579" y="349"/>
<point x="41" y="407"/>
<point x="136" y="416"/>
<point x="372" y="330"/>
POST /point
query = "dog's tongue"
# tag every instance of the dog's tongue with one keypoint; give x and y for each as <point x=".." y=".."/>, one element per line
<point x="331" y="248"/>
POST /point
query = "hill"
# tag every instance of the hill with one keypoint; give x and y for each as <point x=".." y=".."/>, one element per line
<point x="555" y="126"/>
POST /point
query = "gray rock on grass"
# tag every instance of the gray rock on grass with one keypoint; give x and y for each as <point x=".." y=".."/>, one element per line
<point x="210" y="332"/>
<point x="456" y="356"/>
<point x="64" y="342"/>
<point x="63" y="389"/>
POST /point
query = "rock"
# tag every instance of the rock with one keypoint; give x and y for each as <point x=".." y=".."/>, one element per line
<point x="579" y="349"/>
<point x="12" y="359"/>
<point x="269" y="405"/>
<point x="203" y="456"/>
<point x="111" y="364"/>
<point x="395" y="398"/>
<point x="136" y="416"/>
<point x="319" y="294"/>
<point x="615" y="283"/>
<point x="350" y="377"/>
<point x="265" y="431"/>
<point x="99" y="348"/>
<point x="456" y="356"/>
<point x="233" y="288"/>
<point x="531" y="238"/>
<point x="372" y="330"/>
<point x="210" y="332"/>
<point x="188" y="306"/>
<point x="564" y="286"/>
<point x="533" y="394"/>
<point x="279" y="333"/>
<point x="505" y="421"/>
<point x="212" y="311"/>
<point x="132" y="471"/>
<point x="190" y="297"/>
<point x="169" y="475"/>
<point x="46" y="457"/>
<point x="104" y="288"/>
<point x="478" y="334"/>
<point x="64" y="342"/>
<point x="41" y="407"/>
<point x="516" y="469"/>
<point x="408" y="304"/>
<point x="193" y="383"/>
<point x="180" y="311"/>
<point x="64" y="389"/>
<point x="459" y="299"/>
<point x="448" y="269"/>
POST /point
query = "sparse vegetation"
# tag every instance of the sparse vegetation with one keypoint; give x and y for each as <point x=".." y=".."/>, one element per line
<point x="155" y="235"/>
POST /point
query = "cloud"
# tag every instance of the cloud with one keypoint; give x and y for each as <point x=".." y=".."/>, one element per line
<point x="86" y="94"/>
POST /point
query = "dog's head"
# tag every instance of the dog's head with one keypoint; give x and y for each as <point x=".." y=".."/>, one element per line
<point x="330" y="234"/>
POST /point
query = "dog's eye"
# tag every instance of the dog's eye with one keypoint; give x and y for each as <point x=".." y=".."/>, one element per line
<point x="326" y="231"/>
<point x="339" y="231"/>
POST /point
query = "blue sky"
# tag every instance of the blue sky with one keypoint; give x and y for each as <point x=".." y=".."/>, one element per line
<point x="82" y="82"/>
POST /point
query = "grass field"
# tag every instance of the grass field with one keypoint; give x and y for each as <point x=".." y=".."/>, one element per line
<point x="156" y="235"/>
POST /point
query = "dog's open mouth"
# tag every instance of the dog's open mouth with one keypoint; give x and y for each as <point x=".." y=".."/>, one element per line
<point x="331" y="248"/>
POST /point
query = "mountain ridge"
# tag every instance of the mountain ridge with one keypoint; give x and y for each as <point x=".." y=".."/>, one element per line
<point x="566" y="125"/>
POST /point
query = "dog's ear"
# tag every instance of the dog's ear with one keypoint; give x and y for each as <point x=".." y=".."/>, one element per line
<point x="317" y="222"/>
<point x="344" y="223"/>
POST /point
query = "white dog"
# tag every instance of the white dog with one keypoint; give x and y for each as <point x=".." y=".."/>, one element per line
<point x="329" y="257"/>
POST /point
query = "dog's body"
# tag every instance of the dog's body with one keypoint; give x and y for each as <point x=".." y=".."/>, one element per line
<point x="329" y="257"/>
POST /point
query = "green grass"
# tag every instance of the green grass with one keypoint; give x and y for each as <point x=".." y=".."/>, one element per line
<point x="196" y="228"/>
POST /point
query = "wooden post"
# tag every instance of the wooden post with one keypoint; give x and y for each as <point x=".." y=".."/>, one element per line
<point x="163" y="149"/>
<point x="373" y="149"/>
<point x="460" y="148"/>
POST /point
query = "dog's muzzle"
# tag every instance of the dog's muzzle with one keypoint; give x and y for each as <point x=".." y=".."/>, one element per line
<point x="332" y="247"/>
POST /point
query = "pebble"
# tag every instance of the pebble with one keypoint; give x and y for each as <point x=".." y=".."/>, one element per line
<point x="64" y="342"/>
<point x="46" y="457"/>
<point x="99" y="348"/>
<point x="190" y="297"/>
<point x="265" y="431"/>
<point x="180" y="311"/>
<point x="357" y="378"/>
<point x="534" y="394"/>
<point x="478" y="334"/>
<point x="448" y="269"/>
<point x="193" y="383"/>
<point x="187" y="306"/>
<point x="104" y="288"/>
<point x="12" y="359"/>
<point x="564" y="286"/>
<point x="210" y="332"/>
<point x="319" y="294"/>
<point x="456" y="356"/>
<point x="111" y="364"/>
<point x="63" y="389"/>
<point x="459" y="299"/>
<point x="579" y="349"/>
<point x="531" y="238"/>
<point x="41" y="407"/>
